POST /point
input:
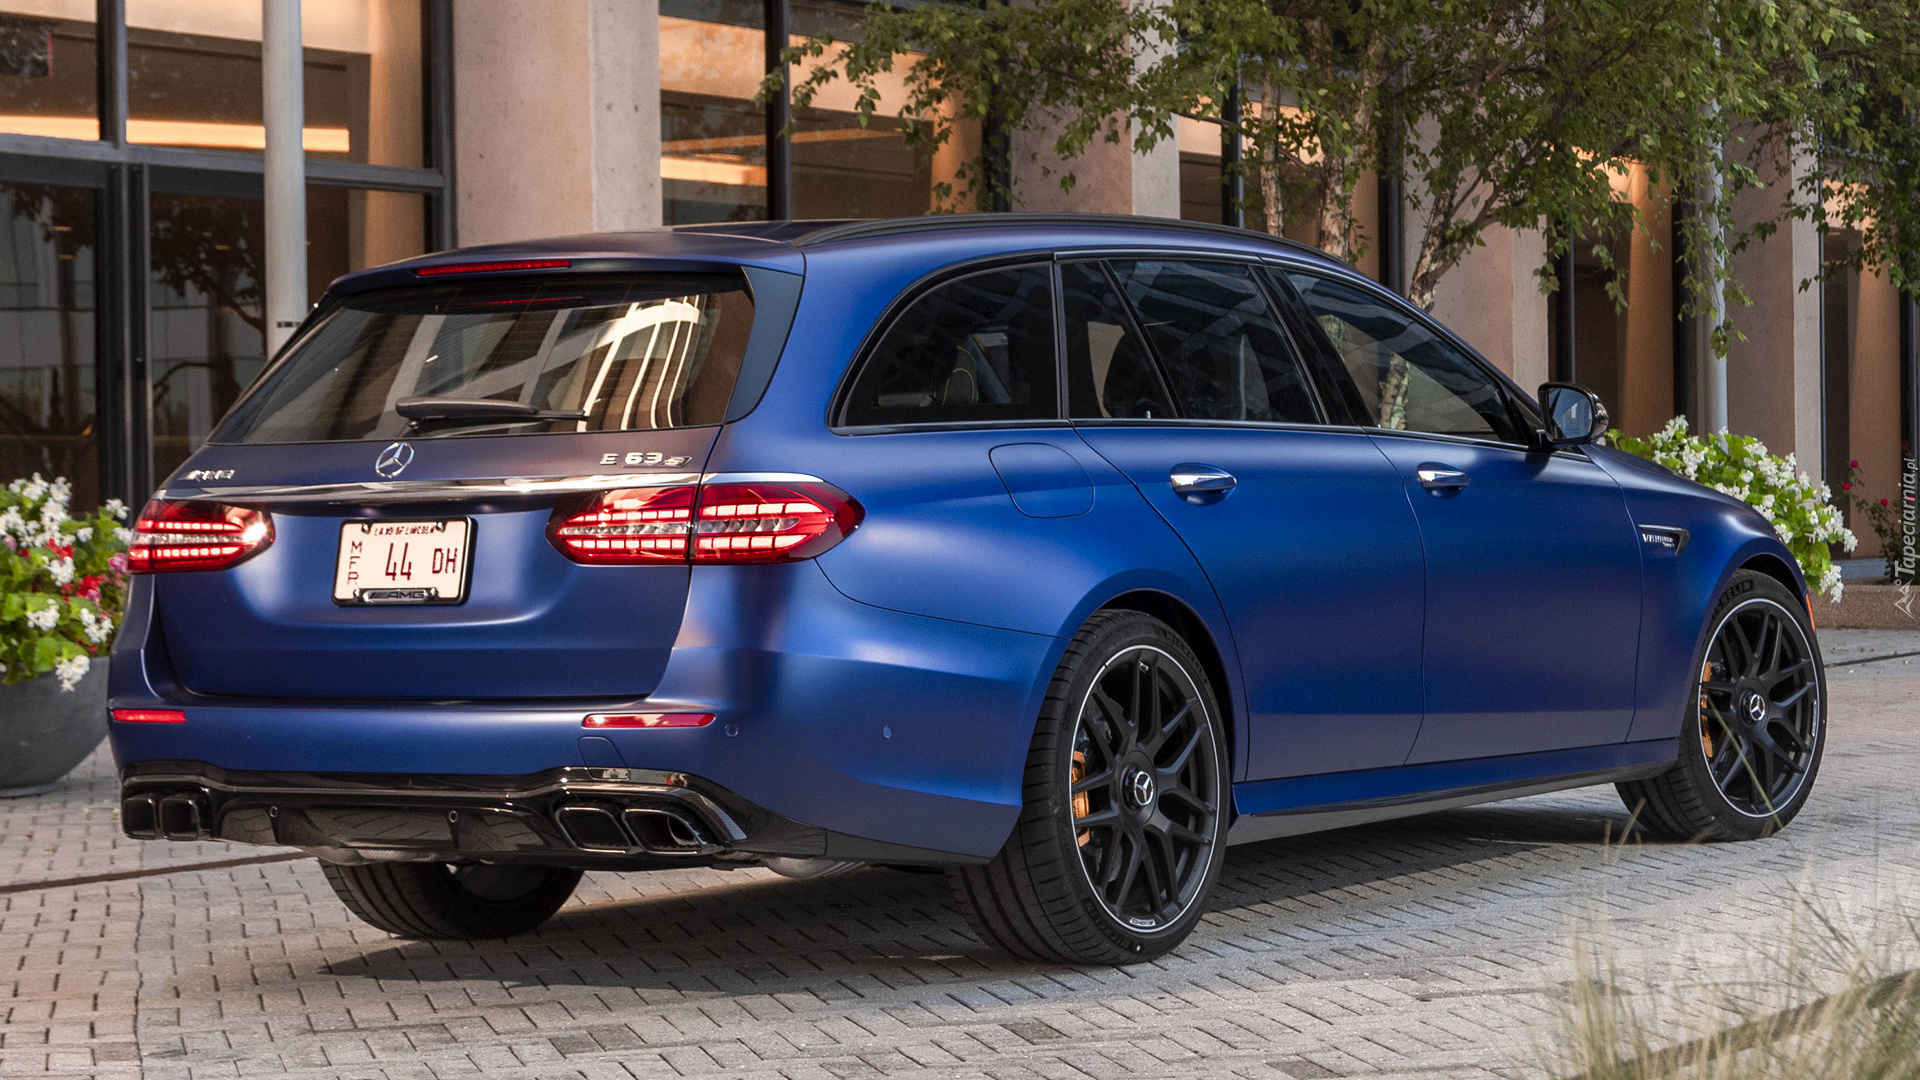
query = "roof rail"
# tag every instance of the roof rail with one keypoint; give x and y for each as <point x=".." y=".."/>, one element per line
<point x="932" y="222"/>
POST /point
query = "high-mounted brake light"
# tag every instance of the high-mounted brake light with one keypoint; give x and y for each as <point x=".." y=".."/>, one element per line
<point x="195" y="536"/>
<point x="495" y="267"/>
<point x="712" y="523"/>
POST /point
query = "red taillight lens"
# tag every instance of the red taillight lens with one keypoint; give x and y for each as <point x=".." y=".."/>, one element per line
<point x="648" y="720"/>
<point x="745" y="523"/>
<point x="195" y="536"/>
<point x="726" y="523"/>
<point x="633" y="525"/>
<point x="150" y="716"/>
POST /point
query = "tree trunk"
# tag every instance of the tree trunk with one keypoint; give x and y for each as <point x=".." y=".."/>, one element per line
<point x="1272" y="203"/>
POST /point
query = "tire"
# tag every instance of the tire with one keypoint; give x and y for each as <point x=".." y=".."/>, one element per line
<point x="1155" y="845"/>
<point x="439" y="902"/>
<point x="1755" y="725"/>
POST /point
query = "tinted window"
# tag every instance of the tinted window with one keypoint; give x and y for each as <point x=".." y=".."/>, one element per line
<point x="978" y="348"/>
<point x="1109" y="373"/>
<point x="1218" y="342"/>
<point x="1409" y="377"/>
<point x="632" y="355"/>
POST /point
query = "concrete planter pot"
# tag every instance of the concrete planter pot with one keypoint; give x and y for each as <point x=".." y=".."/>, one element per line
<point x="44" y="732"/>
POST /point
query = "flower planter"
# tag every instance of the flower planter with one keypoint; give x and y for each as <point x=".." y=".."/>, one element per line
<point x="45" y="732"/>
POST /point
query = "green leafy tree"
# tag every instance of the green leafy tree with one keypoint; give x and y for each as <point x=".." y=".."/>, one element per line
<point x="1490" y="112"/>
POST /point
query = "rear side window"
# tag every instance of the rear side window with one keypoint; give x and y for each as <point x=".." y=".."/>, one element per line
<point x="630" y="354"/>
<point x="1218" y="341"/>
<point x="978" y="348"/>
<point x="1109" y="373"/>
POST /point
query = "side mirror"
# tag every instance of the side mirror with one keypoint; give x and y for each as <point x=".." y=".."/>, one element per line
<point x="1574" y="414"/>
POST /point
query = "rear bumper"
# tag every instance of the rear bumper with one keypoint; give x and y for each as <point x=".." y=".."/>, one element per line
<point x="591" y="818"/>
<point x="850" y="720"/>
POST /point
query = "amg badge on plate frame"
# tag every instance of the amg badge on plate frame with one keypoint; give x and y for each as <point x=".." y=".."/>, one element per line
<point x="403" y="562"/>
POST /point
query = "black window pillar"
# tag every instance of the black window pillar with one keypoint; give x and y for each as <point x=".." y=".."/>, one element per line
<point x="1564" y="368"/>
<point x="779" y="116"/>
<point x="1233" y="183"/>
<point x="1685" y="327"/>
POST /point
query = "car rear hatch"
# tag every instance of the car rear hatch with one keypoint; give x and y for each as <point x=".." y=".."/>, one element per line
<point x="375" y="518"/>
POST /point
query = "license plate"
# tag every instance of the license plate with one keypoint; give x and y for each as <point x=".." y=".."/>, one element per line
<point x="403" y="562"/>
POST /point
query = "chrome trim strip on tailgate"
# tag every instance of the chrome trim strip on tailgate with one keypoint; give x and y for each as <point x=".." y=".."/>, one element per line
<point x="394" y="491"/>
<point x="388" y="491"/>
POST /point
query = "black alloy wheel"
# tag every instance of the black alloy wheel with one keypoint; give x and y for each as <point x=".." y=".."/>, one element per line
<point x="1759" y="709"/>
<point x="1146" y="789"/>
<point x="1125" y="811"/>
<point x="1755" y="728"/>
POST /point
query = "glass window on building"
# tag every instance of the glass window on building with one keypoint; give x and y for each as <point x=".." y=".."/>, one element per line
<point x="207" y="328"/>
<point x="1202" y="177"/>
<point x="1624" y="354"/>
<point x="193" y="77"/>
<point x="47" y="81"/>
<point x="48" y="404"/>
<point x="714" y="138"/>
<point x="713" y="154"/>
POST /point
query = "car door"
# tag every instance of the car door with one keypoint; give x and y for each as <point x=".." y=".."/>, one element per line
<point x="1193" y="389"/>
<point x="1533" y="564"/>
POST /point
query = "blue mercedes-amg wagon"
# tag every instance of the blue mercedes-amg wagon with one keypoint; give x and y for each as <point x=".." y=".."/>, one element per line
<point x="1060" y="552"/>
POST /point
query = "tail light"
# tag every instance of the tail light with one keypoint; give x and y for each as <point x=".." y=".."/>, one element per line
<point x="711" y="523"/>
<point x="195" y="536"/>
<point x="632" y="525"/>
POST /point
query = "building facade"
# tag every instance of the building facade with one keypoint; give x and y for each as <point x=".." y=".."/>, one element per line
<point x="131" y="175"/>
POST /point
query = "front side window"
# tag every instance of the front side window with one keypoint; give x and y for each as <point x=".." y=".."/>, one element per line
<point x="1218" y="341"/>
<point x="1409" y="377"/>
<point x="590" y="355"/>
<point x="976" y="349"/>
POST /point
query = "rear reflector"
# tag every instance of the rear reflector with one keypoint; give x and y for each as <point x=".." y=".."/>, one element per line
<point x="150" y="716"/>
<point x="648" y="720"/>
<point x="725" y="523"/>
<point x="498" y="266"/>
<point x="195" y="536"/>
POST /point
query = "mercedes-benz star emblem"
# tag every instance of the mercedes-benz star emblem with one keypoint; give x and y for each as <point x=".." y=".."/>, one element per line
<point x="1139" y="787"/>
<point x="1756" y="707"/>
<point x="393" y="460"/>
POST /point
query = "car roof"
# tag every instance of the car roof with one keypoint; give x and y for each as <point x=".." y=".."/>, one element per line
<point x="783" y="245"/>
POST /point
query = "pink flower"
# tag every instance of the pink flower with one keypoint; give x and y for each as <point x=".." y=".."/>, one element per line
<point x="1883" y="502"/>
<point x="1846" y="485"/>
<point x="1855" y="464"/>
<point x="118" y="562"/>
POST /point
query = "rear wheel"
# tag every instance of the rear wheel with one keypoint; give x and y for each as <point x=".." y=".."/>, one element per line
<point x="1124" y="824"/>
<point x="437" y="901"/>
<point x="1756" y="724"/>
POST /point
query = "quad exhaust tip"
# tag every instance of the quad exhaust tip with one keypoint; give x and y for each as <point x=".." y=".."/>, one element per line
<point x="179" y="816"/>
<point x="656" y="830"/>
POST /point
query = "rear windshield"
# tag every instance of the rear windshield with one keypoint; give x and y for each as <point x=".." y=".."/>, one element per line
<point x="630" y="354"/>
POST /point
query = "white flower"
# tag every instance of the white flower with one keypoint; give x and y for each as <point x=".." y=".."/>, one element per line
<point x="117" y="508"/>
<point x="70" y="671"/>
<point x="62" y="571"/>
<point x="122" y="533"/>
<point x="1783" y="531"/>
<point x="1746" y="476"/>
<point x="43" y="618"/>
<point x="84" y="535"/>
<point x="33" y="490"/>
<point x="97" y="628"/>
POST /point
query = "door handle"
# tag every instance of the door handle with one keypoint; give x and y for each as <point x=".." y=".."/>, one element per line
<point x="1201" y="484"/>
<point x="1440" y="478"/>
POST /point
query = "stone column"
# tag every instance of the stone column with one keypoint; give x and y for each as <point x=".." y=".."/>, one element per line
<point x="1773" y="376"/>
<point x="556" y="117"/>
<point x="1492" y="299"/>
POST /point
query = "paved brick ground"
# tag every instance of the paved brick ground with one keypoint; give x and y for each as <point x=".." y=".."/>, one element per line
<point x="1434" y="947"/>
